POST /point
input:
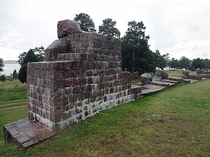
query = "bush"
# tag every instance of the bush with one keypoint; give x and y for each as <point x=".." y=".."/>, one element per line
<point x="2" y="78"/>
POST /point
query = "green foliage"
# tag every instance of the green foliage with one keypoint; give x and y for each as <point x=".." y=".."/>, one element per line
<point x="108" y="28"/>
<point x="14" y="74"/>
<point x="197" y="63"/>
<point x="21" y="58"/>
<point x="38" y="51"/>
<point x="40" y="54"/>
<point x="1" y="65"/>
<point x="23" y="73"/>
<point x="160" y="60"/>
<point x="85" y="22"/>
<point x="2" y="78"/>
<point x="184" y="62"/>
<point x="30" y="57"/>
<point x="206" y="63"/>
<point x="136" y="55"/>
<point x="174" y="63"/>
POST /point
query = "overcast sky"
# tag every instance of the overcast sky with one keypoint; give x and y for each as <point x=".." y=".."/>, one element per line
<point x="178" y="27"/>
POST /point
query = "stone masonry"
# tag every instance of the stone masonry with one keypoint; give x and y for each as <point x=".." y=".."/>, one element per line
<point x="81" y="76"/>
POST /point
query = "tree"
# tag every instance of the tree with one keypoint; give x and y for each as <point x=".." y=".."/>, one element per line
<point x="136" y="55"/>
<point x="174" y="63"/>
<point x="30" y="57"/>
<point x="206" y="63"/>
<point x="108" y="28"/>
<point x="85" y="22"/>
<point x="15" y="74"/>
<point x="161" y="61"/>
<point x="40" y="54"/>
<point x="21" y="58"/>
<point x="197" y="63"/>
<point x="2" y="78"/>
<point x="38" y="51"/>
<point x="1" y="64"/>
<point x="184" y="62"/>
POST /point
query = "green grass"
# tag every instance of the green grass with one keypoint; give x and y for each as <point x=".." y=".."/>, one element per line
<point x="174" y="122"/>
<point x="12" y="92"/>
<point x="178" y="73"/>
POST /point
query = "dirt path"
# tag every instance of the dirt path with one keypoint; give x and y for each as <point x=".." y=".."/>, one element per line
<point x="12" y="105"/>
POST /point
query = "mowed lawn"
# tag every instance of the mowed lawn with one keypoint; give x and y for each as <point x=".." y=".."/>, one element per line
<point x="174" y="122"/>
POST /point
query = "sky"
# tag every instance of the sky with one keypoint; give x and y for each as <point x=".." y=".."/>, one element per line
<point x="177" y="27"/>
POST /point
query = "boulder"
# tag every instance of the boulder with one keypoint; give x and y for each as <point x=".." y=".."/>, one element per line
<point x="67" y="27"/>
<point x="146" y="78"/>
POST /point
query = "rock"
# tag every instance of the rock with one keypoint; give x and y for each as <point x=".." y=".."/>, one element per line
<point x="146" y="78"/>
<point x="164" y="75"/>
<point x="185" y="74"/>
<point x="160" y="74"/>
<point x="58" y="46"/>
<point x="157" y="78"/>
<point x="203" y="71"/>
<point x="198" y="71"/>
<point x="67" y="27"/>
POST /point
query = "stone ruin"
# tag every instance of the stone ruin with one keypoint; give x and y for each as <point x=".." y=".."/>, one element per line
<point x="204" y="73"/>
<point x="200" y="74"/>
<point x="160" y="74"/>
<point x="81" y="76"/>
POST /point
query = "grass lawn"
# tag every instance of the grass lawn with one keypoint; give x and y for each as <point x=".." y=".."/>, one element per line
<point x="174" y="122"/>
<point x="12" y="93"/>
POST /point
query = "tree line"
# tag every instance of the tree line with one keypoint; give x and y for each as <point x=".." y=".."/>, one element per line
<point x="136" y="53"/>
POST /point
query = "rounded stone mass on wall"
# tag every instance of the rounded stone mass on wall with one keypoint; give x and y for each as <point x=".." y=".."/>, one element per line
<point x="67" y="27"/>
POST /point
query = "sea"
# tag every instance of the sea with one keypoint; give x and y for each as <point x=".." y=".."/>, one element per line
<point x="9" y="69"/>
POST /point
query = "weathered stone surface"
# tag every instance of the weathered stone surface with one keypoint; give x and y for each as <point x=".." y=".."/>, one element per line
<point x="164" y="75"/>
<point x="67" y="27"/>
<point x="157" y="78"/>
<point x="185" y="74"/>
<point x="26" y="132"/>
<point x="146" y="78"/>
<point x="160" y="74"/>
<point x="198" y="71"/>
<point x="81" y="76"/>
<point x="57" y="47"/>
<point x="91" y="79"/>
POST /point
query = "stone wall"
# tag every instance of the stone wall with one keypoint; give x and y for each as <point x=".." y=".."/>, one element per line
<point x="82" y="76"/>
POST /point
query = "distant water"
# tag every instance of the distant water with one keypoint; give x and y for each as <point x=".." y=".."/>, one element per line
<point x="9" y="68"/>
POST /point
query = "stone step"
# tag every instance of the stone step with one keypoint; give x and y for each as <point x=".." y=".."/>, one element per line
<point x="205" y="75"/>
<point x="170" y="81"/>
<point x="161" y="83"/>
<point x="26" y="132"/>
<point x="190" y="80"/>
<point x="148" y="89"/>
<point x="180" y="80"/>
